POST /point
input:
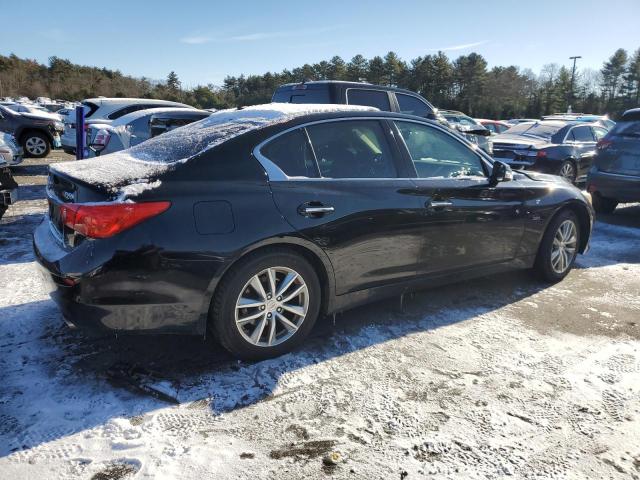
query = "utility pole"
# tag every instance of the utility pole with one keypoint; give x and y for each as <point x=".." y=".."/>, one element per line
<point x="573" y="75"/>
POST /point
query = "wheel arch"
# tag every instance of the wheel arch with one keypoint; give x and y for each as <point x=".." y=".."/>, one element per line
<point x="26" y="130"/>
<point x="309" y="251"/>
<point x="584" y="221"/>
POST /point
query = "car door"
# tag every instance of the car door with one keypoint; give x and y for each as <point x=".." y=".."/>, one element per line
<point x="466" y="222"/>
<point x="340" y="188"/>
<point x="585" y="146"/>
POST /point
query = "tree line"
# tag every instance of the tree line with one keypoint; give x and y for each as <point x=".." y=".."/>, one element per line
<point x="466" y="83"/>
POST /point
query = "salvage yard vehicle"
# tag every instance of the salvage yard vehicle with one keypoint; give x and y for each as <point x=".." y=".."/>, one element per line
<point x="10" y="151"/>
<point x="471" y="129"/>
<point x="36" y="133"/>
<point x="558" y="147"/>
<point x="136" y="127"/>
<point x="105" y="111"/>
<point x="615" y="175"/>
<point x="251" y="223"/>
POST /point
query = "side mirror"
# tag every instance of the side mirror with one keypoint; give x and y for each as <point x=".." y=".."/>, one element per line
<point x="501" y="172"/>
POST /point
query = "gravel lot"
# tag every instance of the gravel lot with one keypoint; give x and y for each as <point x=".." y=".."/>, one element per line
<point x="501" y="376"/>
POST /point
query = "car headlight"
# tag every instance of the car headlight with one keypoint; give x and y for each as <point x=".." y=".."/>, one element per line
<point x="58" y="125"/>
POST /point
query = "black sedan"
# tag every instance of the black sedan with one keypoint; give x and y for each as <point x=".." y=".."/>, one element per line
<point x="615" y="175"/>
<point x="252" y="223"/>
<point x="558" y="147"/>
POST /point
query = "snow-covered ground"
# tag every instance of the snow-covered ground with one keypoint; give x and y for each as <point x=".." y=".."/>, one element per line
<point x="501" y="376"/>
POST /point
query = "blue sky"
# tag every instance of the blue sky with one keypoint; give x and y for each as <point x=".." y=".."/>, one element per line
<point x="204" y="41"/>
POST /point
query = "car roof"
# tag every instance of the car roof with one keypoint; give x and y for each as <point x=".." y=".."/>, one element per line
<point x="131" y="101"/>
<point x="352" y="84"/>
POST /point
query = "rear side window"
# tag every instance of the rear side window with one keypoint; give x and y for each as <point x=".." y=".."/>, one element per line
<point x="581" y="134"/>
<point x="413" y="106"/>
<point x="292" y="153"/>
<point x="436" y="154"/>
<point x="352" y="149"/>
<point x="369" y="98"/>
<point x="130" y="109"/>
<point x="599" y="132"/>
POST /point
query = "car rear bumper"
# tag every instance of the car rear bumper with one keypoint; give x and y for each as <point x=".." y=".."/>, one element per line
<point x="623" y="188"/>
<point x="102" y="290"/>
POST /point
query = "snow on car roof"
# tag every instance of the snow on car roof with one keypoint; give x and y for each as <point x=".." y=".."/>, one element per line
<point x="159" y="154"/>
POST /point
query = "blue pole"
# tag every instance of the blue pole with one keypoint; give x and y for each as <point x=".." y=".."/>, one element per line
<point x="80" y="135"/>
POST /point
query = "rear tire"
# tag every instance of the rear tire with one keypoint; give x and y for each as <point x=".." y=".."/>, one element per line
<point x="271" y="324"/>
<point x="568" y="171"/>
<point x="36" y="144"/>
<point x="559" y="247"/>
<point x="602" y="204"/>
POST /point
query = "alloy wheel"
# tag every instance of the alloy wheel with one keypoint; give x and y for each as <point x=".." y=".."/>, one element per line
<point x="563" y="249"/>
<point x="35" y="146"/>
<point x="568" y="171"/>
<point x="272" y="306"/>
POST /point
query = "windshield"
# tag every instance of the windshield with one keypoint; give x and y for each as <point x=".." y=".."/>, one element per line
<point x="540" y="130"/>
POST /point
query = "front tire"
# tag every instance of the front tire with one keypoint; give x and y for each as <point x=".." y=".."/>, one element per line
<point x="266" y="305"/>
<point x="559" y="247"/>
<point x="36" y="144"/>
<point x="602" y="204"/>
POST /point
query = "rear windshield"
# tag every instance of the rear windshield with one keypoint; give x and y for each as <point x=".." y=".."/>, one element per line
<point x="535" y="130"/>
<point x="629" y="128"/>
<point x="301" y="94"/>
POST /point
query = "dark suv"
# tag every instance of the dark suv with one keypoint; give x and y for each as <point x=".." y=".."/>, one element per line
<point x="559" y="147"/>
<point x="615" y="175"/>
<point x="387" y="99"/>
<point x="37" y="134"/>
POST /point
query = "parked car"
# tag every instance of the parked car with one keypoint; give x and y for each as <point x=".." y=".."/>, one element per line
<point x="473" y="130"/>
<point x="515" y="121"/>
<point x="31" y="109"/>
<point x="10" y="152"/>
<point x="602" y="120"/>
<point x="8" y="187"/>
<point x="551" y="146"/>
<point x="615" y="175"/>
<point x="37" y="134"/>
<point x="106" y="110"/>
<point x="387" y="99"/>
<point x="136" y="127"/>
<point x="494" y="126"/>
<point x="252" y="223"/>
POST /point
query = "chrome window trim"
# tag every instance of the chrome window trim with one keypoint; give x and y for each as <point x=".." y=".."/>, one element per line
<point x="274" y="173"/>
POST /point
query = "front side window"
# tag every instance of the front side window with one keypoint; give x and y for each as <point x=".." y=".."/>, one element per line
<point x="292" y="154"/>
<point x="352" y="149"/>
<point x="436" y="154"/>
<point x="369" y="98"/>
<point x="413" y="106"/>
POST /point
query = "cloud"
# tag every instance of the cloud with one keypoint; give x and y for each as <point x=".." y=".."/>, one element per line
<point x="463" y="46"/>
<point x="198" y="39"/>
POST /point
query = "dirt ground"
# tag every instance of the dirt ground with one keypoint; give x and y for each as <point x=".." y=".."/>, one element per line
<point x="496" y="377"/>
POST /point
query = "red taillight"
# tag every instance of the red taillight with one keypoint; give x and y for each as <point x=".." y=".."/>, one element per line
<point x="602" y="144"/>
<point x="101" y="140"/>
<point x="102" y="221"/>
<point x="541" y="154"/>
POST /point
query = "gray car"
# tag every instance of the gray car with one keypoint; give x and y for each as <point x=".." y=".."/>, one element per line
<point x="136" y="127"/>
<point x="10" y="151"/>
<point x="471" y="129"/>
